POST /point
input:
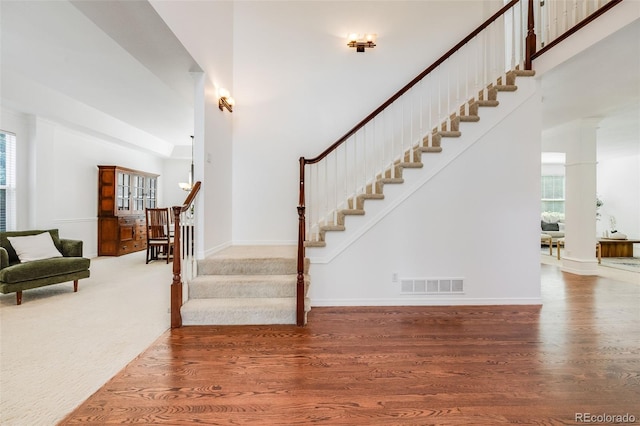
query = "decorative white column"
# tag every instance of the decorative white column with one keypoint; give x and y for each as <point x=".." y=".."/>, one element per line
<point x="580" y="204"/>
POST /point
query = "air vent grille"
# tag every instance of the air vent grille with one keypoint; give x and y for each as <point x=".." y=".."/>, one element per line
<point x="432" y="285"/>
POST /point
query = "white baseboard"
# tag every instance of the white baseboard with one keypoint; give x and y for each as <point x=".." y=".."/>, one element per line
<point x="579" y="266"/>
<point x="427" y="301"/>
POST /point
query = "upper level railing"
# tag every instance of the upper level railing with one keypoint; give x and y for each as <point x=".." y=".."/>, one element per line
<point x="430" y="103"/>
<point x="184" y="260"/>
<point x="558" y="19"/>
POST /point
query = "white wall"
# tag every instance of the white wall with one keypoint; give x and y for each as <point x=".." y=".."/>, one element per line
<point x="613" y="20"/>
<point x="174" y="171"/>
<point x="67" y="179"/>
<point x="18" y="123"/>
<point x="299" y="88"/>
<point x="619" y="188"/>
<point x="205" y="27"/>
<point x="477" y="219"/>
<point x="58" y="178"/>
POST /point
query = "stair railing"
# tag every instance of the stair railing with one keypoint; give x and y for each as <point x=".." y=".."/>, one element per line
<point x="432" y="102"/>
<point x="412" y="120"/>
<point x="558" y="19"/>
<point x="184" y="259"/>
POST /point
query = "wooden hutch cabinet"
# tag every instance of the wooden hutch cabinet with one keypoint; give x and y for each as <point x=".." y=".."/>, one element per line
<point x="123" y="194"/>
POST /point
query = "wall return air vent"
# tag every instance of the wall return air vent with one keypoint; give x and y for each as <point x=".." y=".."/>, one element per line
<point x="432" y="286"/>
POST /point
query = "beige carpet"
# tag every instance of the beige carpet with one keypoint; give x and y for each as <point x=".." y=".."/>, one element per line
<point x="59" y="347"/>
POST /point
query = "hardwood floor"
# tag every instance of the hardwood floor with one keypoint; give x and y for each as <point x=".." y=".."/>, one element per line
<point x="578" y="353"/>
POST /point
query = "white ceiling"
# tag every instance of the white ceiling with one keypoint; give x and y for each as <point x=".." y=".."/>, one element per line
<point x="121" y="58"/>
<point x="603" y="82"/>
<point x="116" y="56"/>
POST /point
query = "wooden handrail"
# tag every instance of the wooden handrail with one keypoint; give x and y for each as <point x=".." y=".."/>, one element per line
<point x="176" y="284"/>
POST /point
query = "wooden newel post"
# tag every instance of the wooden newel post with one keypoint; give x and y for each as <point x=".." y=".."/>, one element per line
<point x="300" y="287"/>
<point x="530" y="42"/>
<point x="300" y="281"/>
<point x="176" y="284"/>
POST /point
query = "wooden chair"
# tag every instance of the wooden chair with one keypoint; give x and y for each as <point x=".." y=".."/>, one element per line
<point x="159" y="238"/>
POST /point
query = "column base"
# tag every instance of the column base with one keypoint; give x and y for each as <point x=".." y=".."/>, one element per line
<point x="580" y="266"/>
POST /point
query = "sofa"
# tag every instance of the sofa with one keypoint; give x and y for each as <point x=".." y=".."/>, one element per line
<point x="552" y="224"/>
<point x="39" y="258"/>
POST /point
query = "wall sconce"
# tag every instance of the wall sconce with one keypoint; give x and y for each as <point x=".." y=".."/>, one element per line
<point x="225" y="100"/>
<point x="360" y="42"/>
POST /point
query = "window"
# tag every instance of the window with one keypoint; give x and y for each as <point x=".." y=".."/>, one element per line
<point x="552" y="190"/>
<point x="7" y="181"/>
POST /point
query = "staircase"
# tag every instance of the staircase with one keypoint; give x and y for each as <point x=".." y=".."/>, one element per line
<point x="431" y="144"/>
<point x="253" y="285"/>
<point x="245" y="285"/>
<point x="257" y="285"/>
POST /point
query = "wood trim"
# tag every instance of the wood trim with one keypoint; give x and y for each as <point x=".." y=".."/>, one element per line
<point x="176" y="283"/>
<point x="128" y="170"/>
<point x="191" y="197"/>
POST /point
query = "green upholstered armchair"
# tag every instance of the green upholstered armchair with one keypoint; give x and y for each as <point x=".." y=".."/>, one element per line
<point x="17" y="276"/>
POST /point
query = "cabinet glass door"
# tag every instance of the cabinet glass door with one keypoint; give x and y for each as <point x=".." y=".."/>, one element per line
<point x="123" y="192"/>
<point x="138" y="193"/>
<point x="152" y="193"/>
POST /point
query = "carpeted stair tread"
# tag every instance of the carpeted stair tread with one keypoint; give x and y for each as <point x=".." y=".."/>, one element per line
<point x="352" y="212"/>
<point x="431" y="148"/>
<point x="410" y="165"/>
<point x="506" y="87"/>
<point x="348" y="212"/>
<point x="450" y="133"/>
<point x="525" y="73"/>
<point x="371" y="196"/>
<point x="327" y="228"/>
<point x="313" y="243"/>
<point x="360" y="199"/>
<point x="250" y="265"/>
<point x="241" y="311"/>
<point x="489" y="103"/>
<point x="469" y="118"/>
<point x="234" y="286"/>
<point x="392" y="180"/>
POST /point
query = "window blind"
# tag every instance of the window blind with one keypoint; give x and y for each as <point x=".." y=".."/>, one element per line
<point x="7" y="181"/>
